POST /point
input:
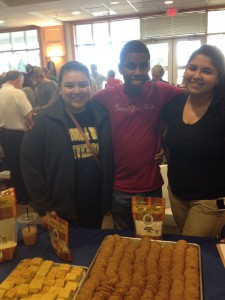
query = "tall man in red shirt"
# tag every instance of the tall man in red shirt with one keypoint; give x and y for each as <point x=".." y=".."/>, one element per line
<point x="134" y="110"/>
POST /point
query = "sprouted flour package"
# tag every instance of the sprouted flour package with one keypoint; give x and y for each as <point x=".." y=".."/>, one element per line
<point x="148" y="214"/>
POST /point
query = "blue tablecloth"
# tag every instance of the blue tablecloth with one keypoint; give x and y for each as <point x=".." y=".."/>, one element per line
<point x="84" y="244"/>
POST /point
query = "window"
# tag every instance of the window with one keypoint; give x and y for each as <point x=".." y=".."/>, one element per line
<point x="119" y="30"/>
<point x="217" y="40"/>
<point x="84" y="34"/>
<point x="17" y="49"/>
<point x="216" y="21"/>
<point x="18" y="40"/>
<point x="100" y="43"/>
<point x="5" y="42"/>
<point x="101" y="33"/>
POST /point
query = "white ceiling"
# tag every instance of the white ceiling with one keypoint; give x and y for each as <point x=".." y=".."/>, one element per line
<point x="20" y="13"/>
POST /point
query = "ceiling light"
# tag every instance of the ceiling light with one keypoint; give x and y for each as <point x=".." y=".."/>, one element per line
<point x="168" y="2"/>
<point x="1" y="22"/>
<point x="114" y="2"/>
<point x="76" y="12"/>
<point x="103" y="13"/>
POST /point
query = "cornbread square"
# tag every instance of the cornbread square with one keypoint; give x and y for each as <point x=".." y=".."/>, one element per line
<point x="14" y="274"/>
<point x="20" y="280"/>
<point x="65" y="267"/>
<point x="36" y="261"/>
<point x="52" y="273"/>
<point x="23" y="290"/>
<point x="71" y="285"/>
<point x="28" y="274"/>
<point x="42" y="272"/>
<point x="24" y="264"/>
<point x="48" y="296"/>
<point x="45" y="289"/>
<point x="33" y="268"/>
<point x="47" y="264"/>
<point x="12" y="294"/>
<point x="49" y="282"/>
<point x="66" y="293"/>
<point x="71" y="276"/>
<point x="37" y="297"/>
<point x="7" y="284"/>
<point x="79" y="271"/>
<point x="55" y="289"/>
<point x="54" y="269"/>
<point x="35" y="285"/>
<point x="60" y="273"/>
<point x="60" y="282"/>
<point x="2" y="293"/>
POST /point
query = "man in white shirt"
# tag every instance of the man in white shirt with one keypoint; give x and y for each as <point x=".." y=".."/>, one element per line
<point x="14" y="108"/>
<point x="99" y="78"/>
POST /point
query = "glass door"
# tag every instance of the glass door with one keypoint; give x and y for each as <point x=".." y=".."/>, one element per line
<point x="173" y="55"/>
<point x="182" y="50"/>
<point x="160" y="53"/>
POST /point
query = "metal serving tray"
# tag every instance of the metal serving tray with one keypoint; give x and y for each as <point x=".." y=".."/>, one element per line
<point x="85" y="269"/>
<point x="137" y="240"/>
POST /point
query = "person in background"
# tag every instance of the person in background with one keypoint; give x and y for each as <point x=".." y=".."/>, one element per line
<point x="28" y="68"/>
<point x="63" y="174"/>
<point x="157" y="73"/>
<point x="14" y="108"/>
<point x="93" y="86"/>
<point x="2" y="79"/>
<point x="49" y="76"/>
<point x="195" y="139"/>
<point x="30" y="89"/>
<point x="111" y="80"/>
<point x="46" y="88"/>
<point x="134" y="109"/>
<point x="99" y="78"/>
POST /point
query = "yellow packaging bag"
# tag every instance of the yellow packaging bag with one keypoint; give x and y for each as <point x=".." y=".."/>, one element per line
<point x="59" y="234"/>
<point x="148" y="214"/>
<point x="8" y="224"/>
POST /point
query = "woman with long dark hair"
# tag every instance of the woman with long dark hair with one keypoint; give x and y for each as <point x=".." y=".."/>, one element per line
<point x="67" y="156"/>
<point x="195" y="139"/>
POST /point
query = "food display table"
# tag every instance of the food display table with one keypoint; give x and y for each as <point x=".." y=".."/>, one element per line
<point x="84" y="244"/>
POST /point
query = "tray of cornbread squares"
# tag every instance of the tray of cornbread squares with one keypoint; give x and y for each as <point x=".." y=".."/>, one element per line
<point x="143" y="269"/>
<point x="38" y="279"/>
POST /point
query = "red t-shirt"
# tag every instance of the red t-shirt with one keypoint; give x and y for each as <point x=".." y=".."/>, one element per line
<point x="112" y="81"/>
<point x="135" y="125"/>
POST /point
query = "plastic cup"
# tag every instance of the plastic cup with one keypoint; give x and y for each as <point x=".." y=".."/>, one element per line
<point x="29" y="228"/>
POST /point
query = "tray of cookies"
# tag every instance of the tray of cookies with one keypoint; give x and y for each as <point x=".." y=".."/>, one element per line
<point x="143" y="269"/>
<point x="42" y="279"/>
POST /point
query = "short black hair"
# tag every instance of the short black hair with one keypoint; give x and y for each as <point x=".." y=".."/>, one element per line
<point x="134" y="46"/>
<point x="13" y="75"/>
<point x="111" y="73"/>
